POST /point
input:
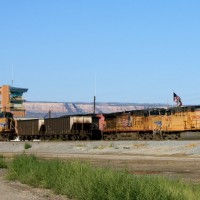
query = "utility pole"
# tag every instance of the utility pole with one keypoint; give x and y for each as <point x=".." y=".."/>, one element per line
<point x="49" y="113"/>
<point x="94" y="104"/>
<point x="94" y="93"/>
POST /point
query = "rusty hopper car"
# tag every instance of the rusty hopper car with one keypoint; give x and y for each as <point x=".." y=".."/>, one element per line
<point x="68" y="127"/>
<point x="28" y="129"/>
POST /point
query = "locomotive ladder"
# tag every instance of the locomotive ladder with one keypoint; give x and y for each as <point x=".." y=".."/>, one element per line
<point x="157" y="131"/>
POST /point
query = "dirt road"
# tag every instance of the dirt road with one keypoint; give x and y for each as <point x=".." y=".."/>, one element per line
<point x="14" y="190"/>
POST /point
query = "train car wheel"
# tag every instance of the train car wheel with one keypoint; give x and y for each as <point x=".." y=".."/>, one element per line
<point x="74" y="137"/>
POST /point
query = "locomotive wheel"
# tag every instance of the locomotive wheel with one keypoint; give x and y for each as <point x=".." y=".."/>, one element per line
<point x="142" y="137"/>
<point x="170" y="137"/>
<point x="1" y="138"/>
<point x="149" y="136"/>
<point x="157" y="137"/>
<point x="74" y="137"/>
<point x="177" y="137"/>
<point x="114" y="136"/>
<point x="105" y="137"/>
<point x="88" y="137"/>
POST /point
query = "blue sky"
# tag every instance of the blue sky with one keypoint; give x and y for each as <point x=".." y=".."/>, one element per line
<point x="139" y="51"/>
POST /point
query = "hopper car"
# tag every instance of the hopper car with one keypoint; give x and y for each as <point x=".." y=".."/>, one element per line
<point x="73" y="127"/>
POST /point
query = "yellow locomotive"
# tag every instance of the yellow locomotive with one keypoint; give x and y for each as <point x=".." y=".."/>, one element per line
<point x="181" y="122"/>
<point x="172" y="123"/>
<point x="7" y="126"/>
<point x="137" y="124"/>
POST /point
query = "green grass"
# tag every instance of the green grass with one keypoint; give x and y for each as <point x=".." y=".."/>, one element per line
<point x="82" y="181"/>
<point x="2" y="162"/>
<point x="27" y="146"/>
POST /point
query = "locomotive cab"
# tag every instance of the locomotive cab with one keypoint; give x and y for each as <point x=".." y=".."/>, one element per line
<point x="7" y="126"/>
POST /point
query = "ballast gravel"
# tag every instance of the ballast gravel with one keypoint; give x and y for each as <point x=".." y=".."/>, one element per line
<point x="155" y="148"/>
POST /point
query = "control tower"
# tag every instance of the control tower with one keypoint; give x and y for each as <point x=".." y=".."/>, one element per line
<point x="11" y="100"/>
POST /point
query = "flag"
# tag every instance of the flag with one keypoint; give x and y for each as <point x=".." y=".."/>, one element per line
<point x="126" y="121"/>
<point x="177" y="99"/>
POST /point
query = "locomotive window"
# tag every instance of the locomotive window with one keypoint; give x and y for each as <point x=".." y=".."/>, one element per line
<point x="154" y="112"/>
<point x="110" y="117"/>
<point x="173" y="112"/>
<point x="192" y="109"/>
<point x="138" y="114"/>
<point x="162" y="112"/>
<point x="146" y="114"/>
<point x="8" y="115"/>
<point x="168" y="113"/>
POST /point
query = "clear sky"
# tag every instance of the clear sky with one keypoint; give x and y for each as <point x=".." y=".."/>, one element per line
<point x="140" y="51"/>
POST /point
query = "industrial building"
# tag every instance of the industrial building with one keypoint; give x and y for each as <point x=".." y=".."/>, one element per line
<point x="11" y="100"/>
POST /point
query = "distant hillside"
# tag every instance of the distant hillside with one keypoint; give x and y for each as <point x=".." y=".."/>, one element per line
<point x="41" y="109"/>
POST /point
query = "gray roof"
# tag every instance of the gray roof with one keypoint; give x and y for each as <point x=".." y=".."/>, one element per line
<point x="16" y="89"/>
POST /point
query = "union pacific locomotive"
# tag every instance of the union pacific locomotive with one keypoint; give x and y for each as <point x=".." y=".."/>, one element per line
<point x="7" y="126"/>
<point x="172" y="123"/>
<point x="150" y="124"/>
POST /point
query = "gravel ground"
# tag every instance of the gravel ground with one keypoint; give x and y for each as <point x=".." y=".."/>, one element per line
<point x="156" y="148"/>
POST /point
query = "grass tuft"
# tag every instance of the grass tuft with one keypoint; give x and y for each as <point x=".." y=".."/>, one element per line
<point x="27" y="146"/>
<point x="82" y="181"/>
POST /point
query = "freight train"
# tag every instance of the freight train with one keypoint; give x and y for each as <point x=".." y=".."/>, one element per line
<point x="149" y="124"/>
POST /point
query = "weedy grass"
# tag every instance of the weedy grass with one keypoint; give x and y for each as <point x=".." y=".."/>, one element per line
<point x="81" y="145"/>
<point x="27" y="146"/>
<point x="83" y="182"/>
<point x="2" y="162"/>
<point x="100" y="147"/>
